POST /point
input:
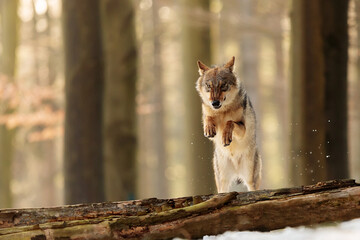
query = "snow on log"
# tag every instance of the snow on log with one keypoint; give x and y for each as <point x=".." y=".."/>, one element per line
<point x="187" y="217"/>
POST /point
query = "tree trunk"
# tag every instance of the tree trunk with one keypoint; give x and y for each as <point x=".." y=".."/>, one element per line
<point x="319" y="90"/>
<point x="188" y="217"/>
<point x="52" y="195"/>
<point x="120" y="54"/>
<point x="152" y="151"/>
<point x="249" y="49"/>
<point x="9" y="41"/>
<point x="335" y="54"/>
<point x="355" y="122"/>
<point x="158" y="144"/>
<point x="83" y="92"/>
<point x="196" y="45"/>
<point x="9" y="38"/>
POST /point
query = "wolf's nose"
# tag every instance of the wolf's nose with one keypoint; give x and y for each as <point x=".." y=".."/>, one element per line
<point x="216" y="103"/>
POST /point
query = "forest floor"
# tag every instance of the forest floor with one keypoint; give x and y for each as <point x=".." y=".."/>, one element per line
<point x="348" y="230"/>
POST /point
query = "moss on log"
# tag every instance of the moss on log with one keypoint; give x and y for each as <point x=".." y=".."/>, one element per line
<point x="189" y="217"/>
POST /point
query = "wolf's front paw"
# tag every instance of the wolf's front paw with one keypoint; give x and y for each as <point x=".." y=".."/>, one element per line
<point x="209" y="130"/>
<point x="227" y="134"/>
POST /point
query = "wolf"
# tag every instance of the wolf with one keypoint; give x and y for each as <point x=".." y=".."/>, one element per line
<point x="229" y="121"/>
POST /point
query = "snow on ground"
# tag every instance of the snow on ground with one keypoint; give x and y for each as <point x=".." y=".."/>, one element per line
<point x="349" y="230"/>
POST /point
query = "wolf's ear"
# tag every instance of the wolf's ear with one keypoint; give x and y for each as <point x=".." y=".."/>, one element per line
<point x="202" y="68"/>
<point x="230" y="64"/>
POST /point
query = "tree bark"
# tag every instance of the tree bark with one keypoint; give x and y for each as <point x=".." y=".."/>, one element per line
<point x="189" y="217"/>
<point x="319" y="90"/>
<point x="120" y="54"/>
<point x="83" y="92"/>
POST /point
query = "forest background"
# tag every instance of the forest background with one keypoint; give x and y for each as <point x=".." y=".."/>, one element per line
<point x="98" y="99"/>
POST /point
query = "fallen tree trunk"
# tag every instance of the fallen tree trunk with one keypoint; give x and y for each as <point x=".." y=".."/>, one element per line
<point x="188" y="217"/>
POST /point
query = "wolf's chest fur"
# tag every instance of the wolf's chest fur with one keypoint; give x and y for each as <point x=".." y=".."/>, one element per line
<point x="238" y="144"/>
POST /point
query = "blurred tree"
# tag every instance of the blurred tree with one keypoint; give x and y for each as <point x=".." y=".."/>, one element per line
<point x="157" y="116"/>
<point x="48" y="147"/>
<point x="152" y="160"/>
<point x="120" y="54"/>
<point x="249" y="49"/>
<point x="45" y="150"/>
<point x="319" y="90"/>
<point x="280" y="89"/>
<point x="271" y="90"/>
<point x="83" y="156"/>
<point x="249" y="60"/>
<point x="36" y="45"/>
<point x="356" y="148"/>
<point x="196" y="46"/>
<point x="9" y="40"/>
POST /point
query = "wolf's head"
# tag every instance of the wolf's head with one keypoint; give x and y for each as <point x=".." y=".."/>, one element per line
<point x="217" y="86"/>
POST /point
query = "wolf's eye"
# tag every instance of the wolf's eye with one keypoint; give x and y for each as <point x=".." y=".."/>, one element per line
<point x="207" y="87"/>
<point x="224" y="87"/>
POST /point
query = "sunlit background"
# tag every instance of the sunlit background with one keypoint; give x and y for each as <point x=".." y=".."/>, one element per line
<point x="256" y="32"/>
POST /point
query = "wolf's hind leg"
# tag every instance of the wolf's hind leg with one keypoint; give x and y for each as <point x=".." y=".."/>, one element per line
<point x="222" y="174"/>
<point x="252" y="170"/>
<point x="257" y="170"/>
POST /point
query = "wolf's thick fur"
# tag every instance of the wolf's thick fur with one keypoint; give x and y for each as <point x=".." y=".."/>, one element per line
<point x="229" y="121"/>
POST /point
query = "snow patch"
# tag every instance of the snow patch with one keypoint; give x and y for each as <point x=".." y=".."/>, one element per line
<point x="349" y="230"/>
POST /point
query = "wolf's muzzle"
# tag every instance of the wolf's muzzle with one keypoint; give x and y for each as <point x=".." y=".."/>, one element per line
<point x="216" y="104"/>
